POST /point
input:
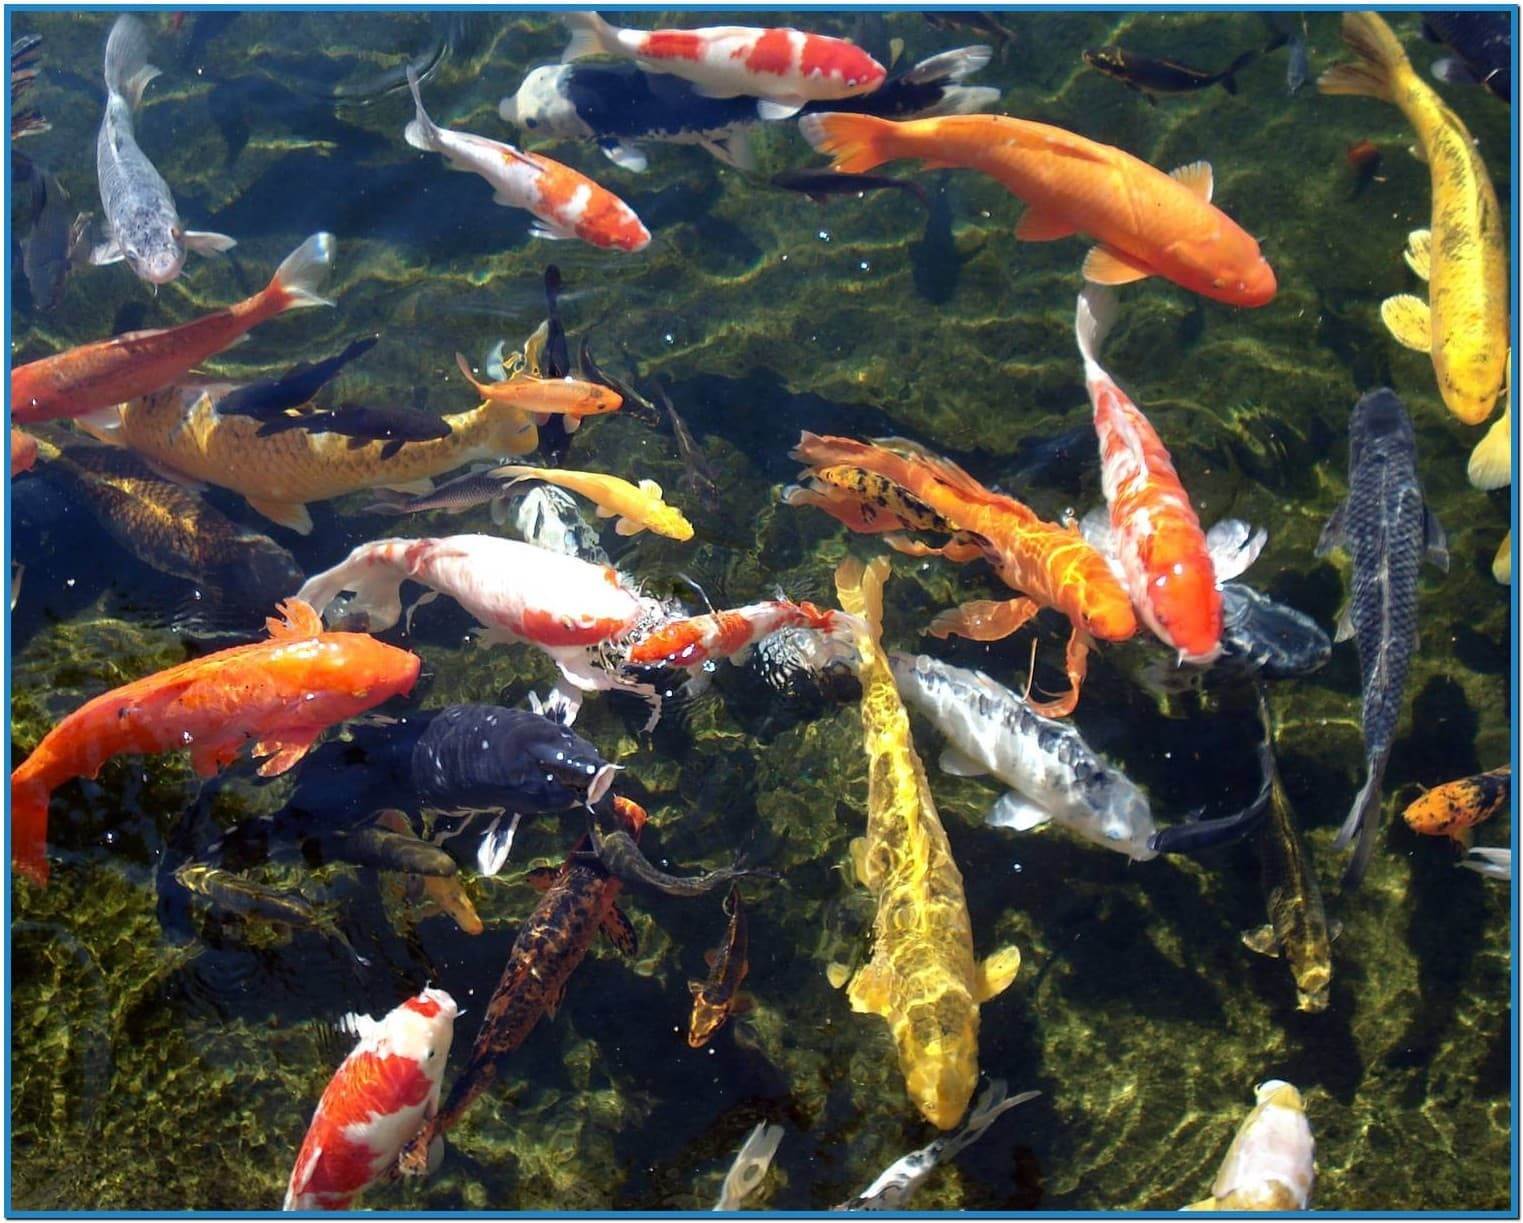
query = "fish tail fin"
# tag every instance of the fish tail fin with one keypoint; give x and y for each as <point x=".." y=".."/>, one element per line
<point x="294" y="285"/>
<point x="1491" y="460"/>
<point x="1379" y="56"/>
<point x="29" y="827"/>
<point x="374" y="573"/>
<point x="127" y="68"/>
<point x="590" y="35"/>
<point x="857" y="142"/>
<point x="859" y="589"/>
<point x="1361" y="825"/>
<point x="954" y="65"/>
<point x="1094" y="317"/>
<point x="421" y="130"/>
<point x="1229" y="74"/>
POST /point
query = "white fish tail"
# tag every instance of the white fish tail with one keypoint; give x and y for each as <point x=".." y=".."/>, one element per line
<point x="955" y="65"/>
<point x="590" y="35"/>
<point x="1492" y="863"/>
<point x="422" y="132"/>
<point x="961" y="100"/>
<point x="1093" y="319"/>
<point x="1362" y="823"/>
<point x="299" y="274"/>
<point x="374" y="573"/>
<point x="127" y="68"/>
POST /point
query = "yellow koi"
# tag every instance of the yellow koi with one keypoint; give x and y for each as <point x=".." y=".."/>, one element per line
<point x="922" y="978"/>
<point x="638" y="507"/>
<point x="1468" y="331"/>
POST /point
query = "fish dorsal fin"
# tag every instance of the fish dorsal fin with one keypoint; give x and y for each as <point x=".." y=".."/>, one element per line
<point x="650" y="488"/>
<point x="944" y="468"/>
<point x="1197" y="177"/>
<point x="534" y="347"/>
<point x="1408" y="319"/>
<point x="1417" y="252"/>
<point x="296" y="620"/>
<point x="1104" y="266"/>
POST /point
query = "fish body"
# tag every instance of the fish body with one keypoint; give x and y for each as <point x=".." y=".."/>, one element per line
<point x="580" y="899"/>
<point x="1052" y="773"/>
<point x="56" y="245"/>
<point x="634" y="507"/>
<point x="83" y="380"/>
<point x="563" y="396"/>
<point x="23" y="452"/>
<point x="1271" y="1164"/>
<point x="383" y="1092"/>
<point x="1052" y="566"/>
<point x="1146" y="222"/>
<point x="1483" y="42"/>
<point x="1454" y="808"/>
<point x="266" y="399"/>
<point x="389" y="845"/>
<point x="697" y="640"/>
<point x="1468" y="302"/>
<point x="750" y="1166"/>
<point x="1269" y="638"/>
<point x="142" y="225"/>
<point x="395" y="427"/>
<point x="279" y="694"/>
<point x="1297" y="64"/>
<point x="234" y="894"/>
<point x="174" y="530"/>
<point x="441" y="890"/>
<point x="181" y="431"/>
<point x="783" y="68"/>
<point x="621" y="857"/>
<point x="698" y="474"/>
<point x="1386" y="529"/>
<point x="564" y="202"/>
<point x="797" y="662"/>
<point x="820" y="185"/>
<point x="716" y="997"/>
<point x="1150" y="76"/>
<point x="619" y="106"/>
<point x="922" y="978"/>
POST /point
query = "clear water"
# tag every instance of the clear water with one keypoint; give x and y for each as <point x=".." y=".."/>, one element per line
<point x="193" y="1067"/>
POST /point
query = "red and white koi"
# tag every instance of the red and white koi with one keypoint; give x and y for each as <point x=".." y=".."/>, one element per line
<point x="1150" y="535"/>
<point x="382" y="1094"/>
<point x="783" y="68"/>
<point x="566" y="203"/>
<point x="693" y="641"/>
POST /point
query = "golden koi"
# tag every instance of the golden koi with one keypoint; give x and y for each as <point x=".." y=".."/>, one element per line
<point x="637" y="507"/>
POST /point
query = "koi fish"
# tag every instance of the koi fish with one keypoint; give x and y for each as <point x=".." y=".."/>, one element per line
<point x="546" y="397"/>
<point x="440" y="891"/>
<point x="1052" y="566"/>
<point x="718" y="997"/>
<point x="1482" y="43"/>
<point x="23" y="452"/>
<point x="516" y="592"/>
<point x="142" y="225"/>
<point x="279" y="694"/>
<point x="389" y="845"/>
<point x="1269" y="638"/>
<point x="922" y="978"/>
<point x="385" y="1089"/>
<point x="621" y="857"/>
<point x="635" y="508"/>
<point x="1454" y="808"/>
<point x="182" y="433"/>
<point x="580" y="898"/>
<point x="750" y="1166"/>
<point x="1271" y="1164"/>
<point x="267" y="399"/>
<point x="1146" y="222"/>
<point x="1467" y="300"/>
<point x="694" y="641"/>
<point x="1171" y="569"/>
<point x="782" y="68"/>
<point x="800" y="663"/>
<point x="235" y="894"/>
<point x="86" y="379"/>
<point x="1150" y="77"/>
<point x="565" y="203"/>
<point x="394" y="427"/>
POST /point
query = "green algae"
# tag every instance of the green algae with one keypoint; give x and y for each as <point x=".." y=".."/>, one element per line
<point x="1137" y="1013"/>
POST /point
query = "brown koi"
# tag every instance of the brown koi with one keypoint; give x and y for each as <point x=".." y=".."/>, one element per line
<point x="719" y="997"/>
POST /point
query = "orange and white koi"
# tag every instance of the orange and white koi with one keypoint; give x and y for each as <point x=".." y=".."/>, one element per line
<point x="279" y="694"/>
<point x="94" y="376"/>
<point x="783" y="68"/>
<point x="1169" y="566"/>
<point x="385" y="1091"/>
<point x="729" y="634"/>
<point x="566" y="203"/>
<point x="638" y="507"/>
<point x="546" y="397"/>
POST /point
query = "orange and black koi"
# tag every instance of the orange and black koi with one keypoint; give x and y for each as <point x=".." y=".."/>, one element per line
<point x="719" y="997"/>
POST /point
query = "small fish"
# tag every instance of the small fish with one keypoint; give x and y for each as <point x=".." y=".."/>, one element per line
<point x="621" y="857"/>
<point x="361" y="425"/>
<point x="266" y="399"/>
<point x="820" y="185"/>
<point x="635" y="404"/>
<point x="1454" y="808"/>
<point x="782" y="68"/>
<point x="1490" y="863"/>
<point x="91" y="377"/>
<point x="1269" y="638"/>
<point x="750" y="1166"/>
<point x="57" y="244"/>
<point x="1297" y="64"/>
<point x="235" y="894"/>
<point x="142" y="225"/>
<point x="378" y="1098"/>
<point x="693" y="641"/>
<point x="1151" y="77"/>
<point x="565" y="203"/>
<point x="1271" y="1164"/>
<point x="441" y="892"/>
<point x="899" y="1181"/>
<point x="389" y="845"/>
<point x="634" y="508"/>
<point x="1482" y="43"/>
<point x="718" y="997"/>
<point x="698" y="476"/>
<point x="278" y="695"/>
<point x="979" y="23"/>
<point x="1364" y="161"/>
<point x="570" y="397"/>
<point x="1387" y="531"/>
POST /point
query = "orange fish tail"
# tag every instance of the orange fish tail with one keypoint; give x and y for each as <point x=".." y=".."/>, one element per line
<point x="857" y="142"/>
<point x="29" y="827"/>
<point x="294" y="285"/>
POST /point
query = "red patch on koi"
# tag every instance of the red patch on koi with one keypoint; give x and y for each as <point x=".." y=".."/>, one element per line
<point x="831" y="57"/>
<point x="772" y="52"/>
<point x="672" y="44"/>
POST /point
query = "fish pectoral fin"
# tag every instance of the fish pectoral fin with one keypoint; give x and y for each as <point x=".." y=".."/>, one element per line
<point x="1409" y="321"/>
<point x="1418" y="153"/>
<point x="1012" y="810"/>
<point x="868" y="992"/>
<point x="769" y="109"/>
<point x="1203" y="1204"/>
<point x="1262" y="941"/>
<point x="107" y="252"/>
<point x="742" y="1004"/>
<point x="1196" y="176"/>
<point x="538" y="230"/>
<point x="859" y="866"/>
<point x="1233" y="546"/>
<point x="626" y="156"/>
<point x="541" y="877"/>
<point x="1333" y="533"/>
<point x="959" y="764"/>
<point x="1490" y="463"/>
<point x="1419" y="251"/>
<point x="1334" y="929"/>
<point x="209" y="759"/>
<point x="1038" y="226"/>
<point x="290" y="514"/>
<point x="297" y="620"/>
<point x="837" y="974"/>
<point x="204" y="243"/>
<point x="284" y="751"/>
<point x="650" y="488"/>
<point x="604" y="511"/>
<point x="1435" y="542"/>
<point x="627" y="526"/>
<point x="105" y="425"/>
<point x="619" y="931"/>
<point x="993" y="976"/>
<point x="1345" y="628"/>
<point x="1104" y="266"/>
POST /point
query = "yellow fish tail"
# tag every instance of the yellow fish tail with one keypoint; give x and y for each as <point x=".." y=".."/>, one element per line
<point x="1501" y="564"/>
<point x="859" y="589"/>
<point x="1491" y="460"/>
<point x="1379" y="58"/>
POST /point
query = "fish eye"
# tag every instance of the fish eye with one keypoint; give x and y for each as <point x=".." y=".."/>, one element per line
<point x="531" y="124"/>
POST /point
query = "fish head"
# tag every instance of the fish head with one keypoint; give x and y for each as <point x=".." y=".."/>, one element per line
<point x="543" y="105"/>
<point x="1107" y="611"/>
<point x="548" y="767"/>
<point x="707" y="1019"/>
<point x="938" y="1052"/>
<point x="420" y="1031"/>
<point x="264" y="572"/>
<point x="1254" y="285"/>
<point x="1120" y="817"/>
<point x="1184" y="606"/>
<point x="1109" y="60"/>
<point x="624" y="231"/>
<point x="1378" y="414"/>
<point x="156" y="255"/>
<point x="343" y="674"/>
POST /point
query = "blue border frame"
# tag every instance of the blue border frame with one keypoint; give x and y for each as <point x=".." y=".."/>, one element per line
<point x="760" y="6"/>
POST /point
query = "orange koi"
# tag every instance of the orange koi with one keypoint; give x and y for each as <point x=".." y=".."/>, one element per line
<point x="95" y="376"/>
<point x="694" y="641"/>
<point x="1454" y="808"/>
<point x="546" y="397"/>
<point x="1146" y="222"/>
<point x="279" y="694"/>
<point x="719" y="997"/>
